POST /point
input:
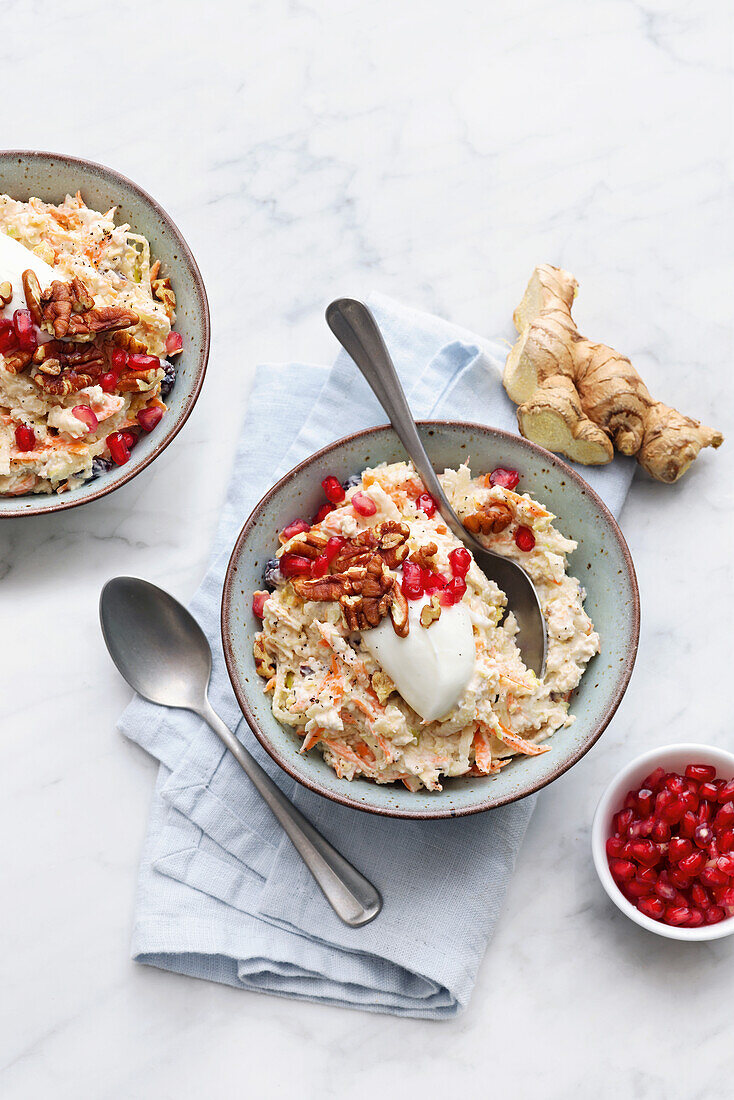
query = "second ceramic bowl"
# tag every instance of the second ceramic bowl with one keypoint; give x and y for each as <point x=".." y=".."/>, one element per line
<point x="602" y="562"/>
<point x="51" y="176"/>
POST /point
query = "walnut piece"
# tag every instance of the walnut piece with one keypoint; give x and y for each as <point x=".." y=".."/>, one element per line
<point x="431" y="611"/>
<point x="66" y="310"/>
<point x="491" y="518"/>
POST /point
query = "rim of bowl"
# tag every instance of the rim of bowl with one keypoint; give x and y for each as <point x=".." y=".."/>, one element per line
<point x="438" y="813"/>
<point x="115" y="176"/>
<point x="599" y="829"/>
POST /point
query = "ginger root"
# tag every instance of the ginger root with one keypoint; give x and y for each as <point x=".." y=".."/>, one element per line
<point x="583" y="399"/>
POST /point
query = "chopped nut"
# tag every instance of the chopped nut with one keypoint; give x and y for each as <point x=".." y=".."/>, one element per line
<point x="16" y="361"/>
<point x="490" y="518"/>
<point x="67" y="310"/>
<point x="58" y="366"/>
<point x="431" y="611"/>
<point x="399" y="613"/>
<point x="6" y="292"/>
<point x="392" y="541"/>
<point x="320" y="588"/>
<point x="309" y="544"/>
<point x="424" y="555"/>
<point x="160" y="288"/>
<point x="264" y="664"/>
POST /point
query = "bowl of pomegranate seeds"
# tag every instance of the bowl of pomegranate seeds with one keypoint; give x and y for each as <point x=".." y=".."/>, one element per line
<point x="663" y="841"/>
<point x="372" y="658"/>
<point x="104" y="332"/>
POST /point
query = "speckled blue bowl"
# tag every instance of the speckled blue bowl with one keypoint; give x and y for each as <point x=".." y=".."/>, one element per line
<point x="602" y="562"/>
<point x="50" y="176"/>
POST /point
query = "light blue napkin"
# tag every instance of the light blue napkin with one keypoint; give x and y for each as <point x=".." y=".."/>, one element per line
<point x="222" y="893"/>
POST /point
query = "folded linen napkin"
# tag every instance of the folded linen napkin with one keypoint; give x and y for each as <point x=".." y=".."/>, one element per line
<point x="222" y="894"/>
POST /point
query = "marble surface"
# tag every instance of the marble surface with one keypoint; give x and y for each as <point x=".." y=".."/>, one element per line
<point x="435" y="152"/>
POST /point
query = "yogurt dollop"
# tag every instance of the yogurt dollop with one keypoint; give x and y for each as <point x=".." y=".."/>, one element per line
<point x="15" y="258"/>
<point x="432" y="666"/>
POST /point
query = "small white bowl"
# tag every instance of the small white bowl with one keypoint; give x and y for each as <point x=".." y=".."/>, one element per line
<point x="673" y="758"/>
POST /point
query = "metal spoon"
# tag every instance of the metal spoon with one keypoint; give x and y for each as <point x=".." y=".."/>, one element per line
<point x="356" y="330"/>
<point x="163" y="654"/>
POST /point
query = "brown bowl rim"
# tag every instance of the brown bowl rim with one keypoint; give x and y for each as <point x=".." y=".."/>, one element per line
<point x="115" y="176"/>
<point x="425" y="815"/>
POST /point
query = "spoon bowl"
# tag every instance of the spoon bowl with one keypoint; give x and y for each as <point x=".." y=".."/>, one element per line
<point x="356" y="330"/>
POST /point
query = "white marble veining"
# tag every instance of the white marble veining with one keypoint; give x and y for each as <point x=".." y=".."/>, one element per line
<point x="434" y="151"/>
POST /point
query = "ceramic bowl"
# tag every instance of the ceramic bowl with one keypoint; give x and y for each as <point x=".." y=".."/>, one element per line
<point x="673" y="758"/>
<point x="602" y="561"/>
<point x="50" y="176"/>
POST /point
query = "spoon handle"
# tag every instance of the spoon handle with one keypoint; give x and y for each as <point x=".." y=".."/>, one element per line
<point x="356" y="330"/>
<point x="355" y="900"/>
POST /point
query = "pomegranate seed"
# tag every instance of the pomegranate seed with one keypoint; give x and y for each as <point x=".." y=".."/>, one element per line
<point x="333" y="489"/>
<point x="427" y="504"/>
<point x="702" y="773"/>
<point x="615" y="846"/>
<point x="714" y="914"/>
<point x="25" y="333"/>
<point x="434" y="582"/>
<point x="693" y="864"/>
<point x="727" y="897"/>
<point x="630" y="800"/>
<point x="700" y="896"/>
<point x="149" y="417"/>
<point x="645" y="801"/>
<point x="118" y="448"/>
<point x="663" y="799"/>
<point x="696" y="918"/>
<point x="726" y="840"/>
<point x="725" y="816"/>
<point x="460" y="561"/>
<point x="665" y="890"/>
<point x="673" y="811"/>
<point x="688" y="824"/>
<point x="679" y="914"/>
<point x="8" y="338"/>
<point x="25" y="438"/>
<point x="137" y="361"/>
<point x="118" y="360"/>
<point x="644" y="851"/>
<point x="712" y="876"/>
<point x="294" y="565"/>
<point x="258" y="603"/>
<point x="710" y="790"/>
<point x="622" y="821"/>
<point x="108" y="381"/>
<point x="704" y="813"/>
<point x="679" y="848"/>
<point x="726" y="864"/>
<point x="85" y="414"/>
<point x="679" y="878"/>
<point x="412" y="580"/>
<point x="174" y="343"/>
<point x="690" y="801"/>
<point x="320" y="566"/>
<point x="726" y="792"/>
<point x="702" y="836"/>
<point x="676" y="784"/>
<point x="507" y="478"/>
<point x="130" y="439"/>
<point x="363" y="505"/>
<point x="622" y="869"/>
<point x="323" y="512"/>
<point x="636" y="889"/>
<point x="654" y="780"/>
<point x="333" y="546"/>
<point x="453" y="592"/>
<point x="651" y="907"/>
<point x="648" y="875"/>
<point x="524" y="539"/>
<point x="295" y="527"/>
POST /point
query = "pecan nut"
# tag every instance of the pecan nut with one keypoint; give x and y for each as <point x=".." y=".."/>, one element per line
<point x="160" y="288"/>
<point x="66" y="310"/>
<point x="392" y="542"/>
<point x="320" y="588"/>
<point x="424" y="555"/>
<point x="264" y="664"/>
<point x="63" y="368"/>
<point x="491" y="518"/>
<point x="431" y="612"/>
<point x="399" y="613"/>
